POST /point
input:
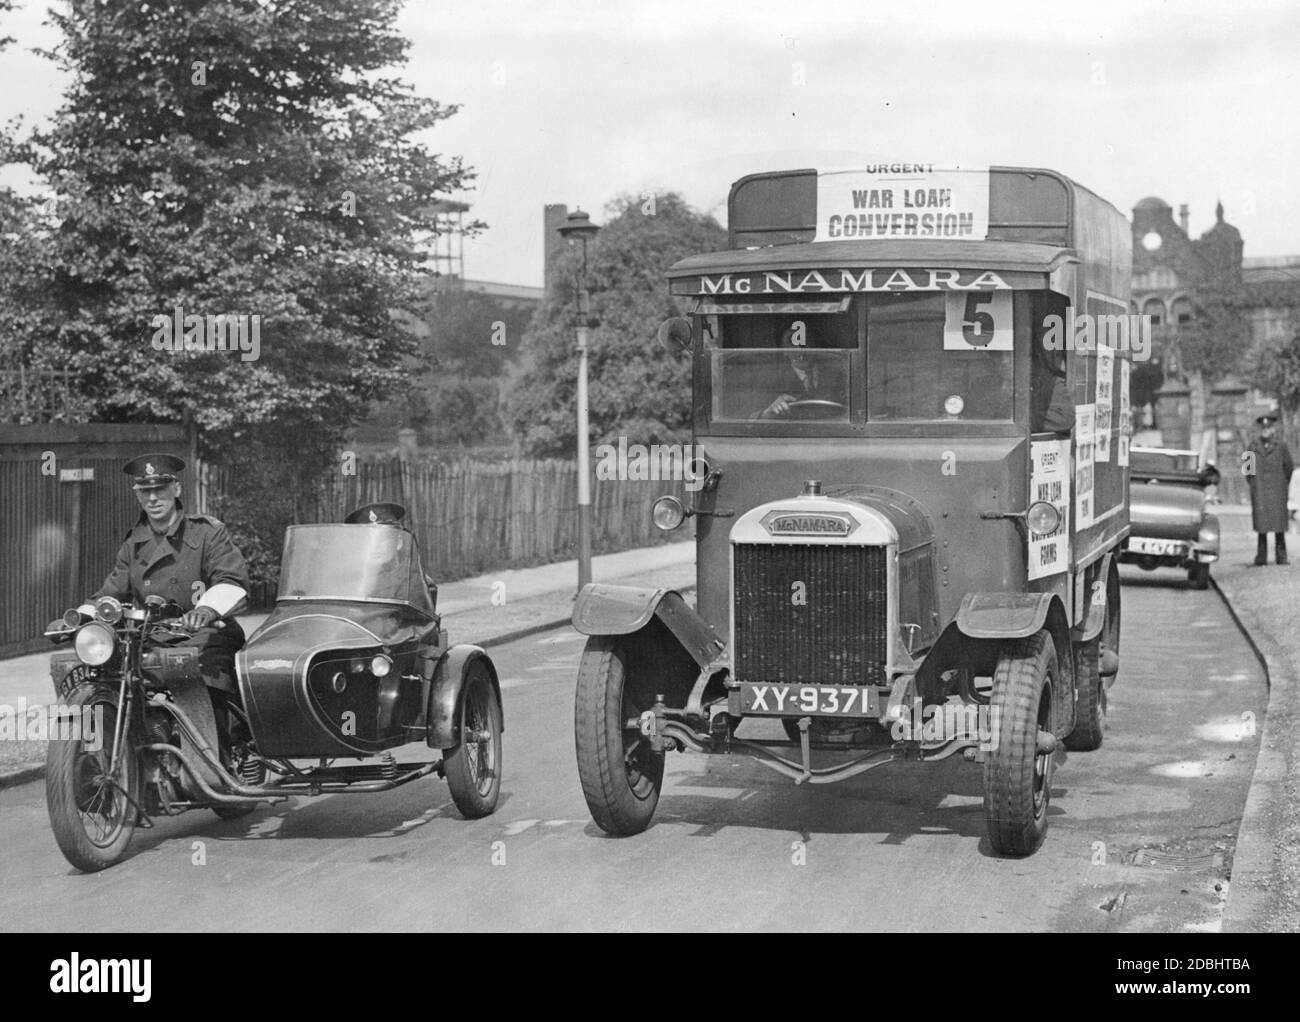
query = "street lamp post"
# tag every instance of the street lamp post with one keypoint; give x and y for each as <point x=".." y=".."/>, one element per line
<point x="578" y="226"/>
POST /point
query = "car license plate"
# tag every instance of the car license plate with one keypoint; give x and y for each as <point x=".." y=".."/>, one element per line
<point x="1157" y="547"/>
<point x="809" y="700"/>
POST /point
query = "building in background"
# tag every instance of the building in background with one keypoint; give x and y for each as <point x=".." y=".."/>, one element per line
<point x="1173" y="274"/>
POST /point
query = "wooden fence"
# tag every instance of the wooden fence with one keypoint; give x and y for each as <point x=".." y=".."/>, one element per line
<point x="473" y="516"/>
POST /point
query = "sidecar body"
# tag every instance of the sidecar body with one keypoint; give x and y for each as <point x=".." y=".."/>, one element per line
<point x="353" y="661"/>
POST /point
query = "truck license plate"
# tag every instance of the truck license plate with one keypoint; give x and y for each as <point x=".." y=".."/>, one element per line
<point x="1157" y="547"/>
<point x="810" y="700"/>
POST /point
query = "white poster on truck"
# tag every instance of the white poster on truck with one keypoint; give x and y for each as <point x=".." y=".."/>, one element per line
<point x="1084" y="439"/>
<point x="1125" y="415"/>
<point x="1049" y="483"/>
<point x="977" y="321"/>
<point x="902" y="200"/>
<point x="1105" y="401"/>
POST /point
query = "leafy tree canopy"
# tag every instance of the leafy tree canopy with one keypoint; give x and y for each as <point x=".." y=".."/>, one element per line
<point x="236" y="157"/>
<point x="636" y="388"/>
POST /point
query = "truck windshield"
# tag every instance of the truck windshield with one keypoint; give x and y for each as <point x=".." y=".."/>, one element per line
<point x="929" y="357"/>
<point x="939" y="356"/>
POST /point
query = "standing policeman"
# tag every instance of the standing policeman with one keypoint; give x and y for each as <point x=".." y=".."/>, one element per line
<point x="189" y="559"/>
<point x="1269" y="471"/>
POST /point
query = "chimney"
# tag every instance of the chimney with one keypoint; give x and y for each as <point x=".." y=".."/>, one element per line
<point x="1182" y="217"/>
<point x="553" y="216"/>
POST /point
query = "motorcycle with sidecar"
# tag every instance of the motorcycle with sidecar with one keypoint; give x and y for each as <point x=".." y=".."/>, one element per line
<point x="352" y="664"/>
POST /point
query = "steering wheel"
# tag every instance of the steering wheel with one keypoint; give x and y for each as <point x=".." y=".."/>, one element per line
<point x="812" y="407"/>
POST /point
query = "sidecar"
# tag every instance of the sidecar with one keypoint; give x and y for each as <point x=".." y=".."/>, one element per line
<point x="353" y="663"/>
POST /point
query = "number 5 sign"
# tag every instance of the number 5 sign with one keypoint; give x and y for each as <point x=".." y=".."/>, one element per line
<point x="977" y="321"/>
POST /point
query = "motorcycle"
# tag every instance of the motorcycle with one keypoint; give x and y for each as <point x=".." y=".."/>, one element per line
<point x="351" y="664"/>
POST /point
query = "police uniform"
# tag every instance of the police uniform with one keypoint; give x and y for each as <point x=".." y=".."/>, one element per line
<point x="195" y="549"/>
<point x="1269" y="482"/>
<point x="382" y="513"/>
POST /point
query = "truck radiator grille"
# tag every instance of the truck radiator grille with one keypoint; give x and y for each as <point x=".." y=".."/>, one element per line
<point x="837" y="637"/>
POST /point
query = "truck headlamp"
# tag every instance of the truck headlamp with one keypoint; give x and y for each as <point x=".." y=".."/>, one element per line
<point x="667" y="513"/>
<point x="94" y="644"/>
<point x="380" y="665"/>
<point x="1043" y="518"/>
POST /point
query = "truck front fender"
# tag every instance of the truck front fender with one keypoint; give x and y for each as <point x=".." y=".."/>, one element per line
<point x="1003" y="615"/>
<point x="603" y="609"/>
<point x="442" y="719"/>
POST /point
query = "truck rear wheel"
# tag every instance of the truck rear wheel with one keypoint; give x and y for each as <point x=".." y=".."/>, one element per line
<point x="1090" y="709"/>
<point x="1017" y="776"/>
<point x="621" y="775"/>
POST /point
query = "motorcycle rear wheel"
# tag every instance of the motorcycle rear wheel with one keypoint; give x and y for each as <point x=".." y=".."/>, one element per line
<point x="92" y="814"/>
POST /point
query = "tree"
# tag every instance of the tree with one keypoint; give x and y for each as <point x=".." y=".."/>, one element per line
<point x="637" y="389"/>
<point x="233" y="157"/>
<point x="1275" y="369"/>
<point x="468" y="340"/>
<point x="1219" y="333"/>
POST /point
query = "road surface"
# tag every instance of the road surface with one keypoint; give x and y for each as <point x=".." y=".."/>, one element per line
<point x="1141" y="835"/>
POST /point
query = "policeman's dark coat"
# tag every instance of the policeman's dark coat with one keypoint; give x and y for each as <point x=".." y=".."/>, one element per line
<point x="196" y="549"/>
<point x="1268" y="485"/>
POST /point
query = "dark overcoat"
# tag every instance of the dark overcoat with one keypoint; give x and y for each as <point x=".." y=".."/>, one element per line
<point x="1268" y="484"/>
<point x="193" y="556"/>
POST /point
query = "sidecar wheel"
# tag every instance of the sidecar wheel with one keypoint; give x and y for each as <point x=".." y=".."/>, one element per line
<point x="92" y="815"/>
<point x="473" y="768"/>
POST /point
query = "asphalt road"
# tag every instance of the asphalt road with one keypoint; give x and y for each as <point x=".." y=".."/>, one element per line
<point x="1141" y="836"/>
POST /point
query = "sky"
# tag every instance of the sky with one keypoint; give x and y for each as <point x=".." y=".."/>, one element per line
<point x="574" y="102"/>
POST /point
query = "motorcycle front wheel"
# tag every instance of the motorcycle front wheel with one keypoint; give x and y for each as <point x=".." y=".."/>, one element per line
<point x="92" y="811"/>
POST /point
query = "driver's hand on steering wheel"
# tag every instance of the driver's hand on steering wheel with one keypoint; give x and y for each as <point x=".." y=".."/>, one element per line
<point x="779" y="407"/>
<point x="199" y="617"/>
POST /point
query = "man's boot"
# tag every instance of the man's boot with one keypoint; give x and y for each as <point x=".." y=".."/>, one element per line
<point x="1261" y="548"/>
<point x="1279" y="547"/>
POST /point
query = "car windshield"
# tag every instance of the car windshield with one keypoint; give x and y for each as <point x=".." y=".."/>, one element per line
<point x="1153" y="461"/>
<point x="374" y="563"/>
<point x="929" y="357"/>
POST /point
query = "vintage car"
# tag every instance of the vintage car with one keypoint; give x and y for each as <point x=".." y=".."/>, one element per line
<point x="1171" y="526"/>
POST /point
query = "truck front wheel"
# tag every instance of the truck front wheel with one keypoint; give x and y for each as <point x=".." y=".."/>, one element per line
<point x="1018" y="766"/>
<point x="621" y="775"/>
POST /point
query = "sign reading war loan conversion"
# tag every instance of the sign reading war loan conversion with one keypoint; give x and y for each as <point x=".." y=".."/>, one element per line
<point x="903" y="200"/>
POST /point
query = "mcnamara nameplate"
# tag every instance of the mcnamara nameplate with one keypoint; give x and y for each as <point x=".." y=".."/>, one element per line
<point x="809" y="523"/>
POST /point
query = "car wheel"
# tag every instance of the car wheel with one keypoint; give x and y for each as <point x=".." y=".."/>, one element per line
<point x="1017" y="775"/>
<point x="621" y="775"/>
<point x="1199" y="576"/>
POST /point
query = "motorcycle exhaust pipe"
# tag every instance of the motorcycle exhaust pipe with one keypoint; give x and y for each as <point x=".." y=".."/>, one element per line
<point x="248" y="794"/>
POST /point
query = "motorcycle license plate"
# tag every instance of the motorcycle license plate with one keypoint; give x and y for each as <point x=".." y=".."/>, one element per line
<point x="1157" y="547"/>
<point x="810" y="700"/>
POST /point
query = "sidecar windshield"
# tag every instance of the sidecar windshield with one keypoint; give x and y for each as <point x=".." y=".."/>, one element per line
<point x="353" y="563"/>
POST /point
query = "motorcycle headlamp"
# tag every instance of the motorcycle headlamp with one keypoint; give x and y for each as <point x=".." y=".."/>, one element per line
<point x="108" y="610"/>
<point x="1043" y="518"/>
<point x="94" y="644"/>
